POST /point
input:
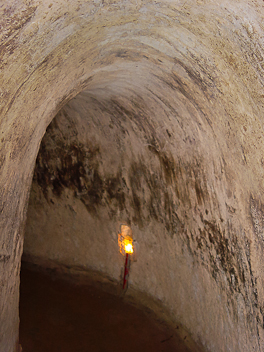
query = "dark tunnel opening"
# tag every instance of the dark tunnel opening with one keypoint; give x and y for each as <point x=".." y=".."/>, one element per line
<point x="66" y="312"/>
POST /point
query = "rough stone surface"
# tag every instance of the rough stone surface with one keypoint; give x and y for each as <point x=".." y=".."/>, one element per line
<point x="167" y="134"/>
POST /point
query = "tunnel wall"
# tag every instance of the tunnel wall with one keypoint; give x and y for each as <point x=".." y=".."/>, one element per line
<point x="182" y="82"/>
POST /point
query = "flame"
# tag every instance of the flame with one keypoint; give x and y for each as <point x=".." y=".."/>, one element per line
<point x="128" y="247"/>
<point x="125" y="240"/>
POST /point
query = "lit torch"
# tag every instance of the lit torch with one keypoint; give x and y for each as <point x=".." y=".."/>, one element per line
<point x="126" y="246"/>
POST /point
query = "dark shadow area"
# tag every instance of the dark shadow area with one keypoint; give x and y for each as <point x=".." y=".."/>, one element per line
<point x="59" y="313"/>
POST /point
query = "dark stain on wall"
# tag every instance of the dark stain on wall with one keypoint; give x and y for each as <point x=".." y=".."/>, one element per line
<point x="142" y="193"/>
<point x="213" y="237"/>
<point x="219" y="247"/>
<point x="257" y="218"/>
<point x="77" y="167"/>
<point x="4" y="257"/>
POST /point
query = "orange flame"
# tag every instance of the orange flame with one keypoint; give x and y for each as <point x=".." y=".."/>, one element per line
<point x="125" y="240"/>
<point x="128" y="246"/>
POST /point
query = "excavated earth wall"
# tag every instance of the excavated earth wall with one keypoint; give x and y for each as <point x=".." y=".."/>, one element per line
<point x="154" y="117"/>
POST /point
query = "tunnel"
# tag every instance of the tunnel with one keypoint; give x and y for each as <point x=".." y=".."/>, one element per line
<point x="145" y="113"/>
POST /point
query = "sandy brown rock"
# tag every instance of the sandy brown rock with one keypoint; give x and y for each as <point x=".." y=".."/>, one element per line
<point x="166" y="134"/>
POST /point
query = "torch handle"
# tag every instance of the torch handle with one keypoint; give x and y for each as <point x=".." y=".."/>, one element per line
<point x="126" y="272"/>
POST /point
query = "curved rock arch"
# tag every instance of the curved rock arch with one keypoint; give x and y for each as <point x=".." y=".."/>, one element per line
<point x="191" y="74"/>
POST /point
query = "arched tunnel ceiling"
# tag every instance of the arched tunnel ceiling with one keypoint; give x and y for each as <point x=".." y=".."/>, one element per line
<point x="175" y="89"/>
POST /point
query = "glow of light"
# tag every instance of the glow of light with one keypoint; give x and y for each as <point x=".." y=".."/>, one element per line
<point x="128" y="247"/>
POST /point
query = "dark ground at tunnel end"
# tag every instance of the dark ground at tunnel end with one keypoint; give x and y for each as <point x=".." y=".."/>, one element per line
<point x="60" y="314"/>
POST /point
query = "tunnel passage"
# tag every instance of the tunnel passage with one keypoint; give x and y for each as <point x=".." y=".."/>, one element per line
<point x="104" y="161"/>
<point x="122" y="152"/>
<point x="185" y="80"/>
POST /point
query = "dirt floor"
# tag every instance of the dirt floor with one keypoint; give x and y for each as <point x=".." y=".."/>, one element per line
<point x="59" y="315"/>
